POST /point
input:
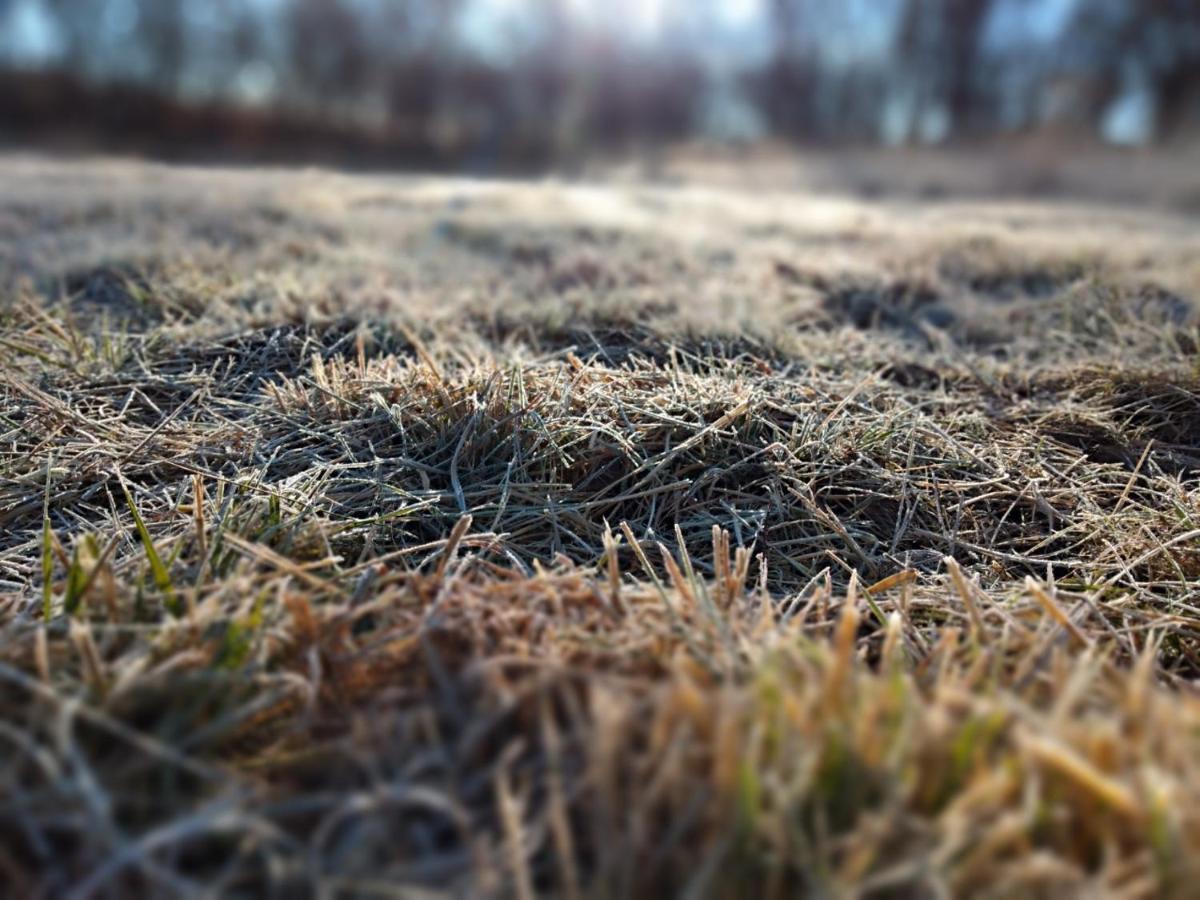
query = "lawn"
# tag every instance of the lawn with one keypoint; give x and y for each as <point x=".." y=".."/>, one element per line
<point x="362" y="534"/>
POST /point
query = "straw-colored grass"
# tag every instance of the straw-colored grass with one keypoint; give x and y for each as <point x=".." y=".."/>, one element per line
<point x="361" y="535"/>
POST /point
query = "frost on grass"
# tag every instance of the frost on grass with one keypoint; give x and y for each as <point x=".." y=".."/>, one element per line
<point x="640" y="547"/>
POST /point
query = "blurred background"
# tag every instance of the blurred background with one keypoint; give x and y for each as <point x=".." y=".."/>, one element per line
<point x="489" y="86"/>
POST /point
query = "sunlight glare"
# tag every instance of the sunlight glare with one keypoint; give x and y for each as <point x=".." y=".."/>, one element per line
<point x="642" y="18"/>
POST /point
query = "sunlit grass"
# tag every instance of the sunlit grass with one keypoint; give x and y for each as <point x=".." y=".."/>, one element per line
<point x="537" y="556"/>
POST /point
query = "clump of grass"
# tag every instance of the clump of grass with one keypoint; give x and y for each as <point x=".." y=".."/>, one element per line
<point x="512" y="719"/>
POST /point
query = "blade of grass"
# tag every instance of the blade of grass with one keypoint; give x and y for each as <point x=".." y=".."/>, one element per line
<point x="162" y="577"/>
<point x="47" y="550"/>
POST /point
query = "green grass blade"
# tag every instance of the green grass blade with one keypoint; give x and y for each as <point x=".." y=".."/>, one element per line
<point x="77" y="582"/>
<point x="47" y="568"/>
<point x="47" y="551"/>
<point x="162" y="578"/>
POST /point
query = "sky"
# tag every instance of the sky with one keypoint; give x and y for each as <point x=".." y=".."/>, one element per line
<point x="28" y="35"/>
<point x="724" y="30"/>
<point x="644" y="18"/>
<point x="1025" y="21"/>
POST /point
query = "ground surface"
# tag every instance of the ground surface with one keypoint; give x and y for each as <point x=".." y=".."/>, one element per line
<point x="520" y="539"/>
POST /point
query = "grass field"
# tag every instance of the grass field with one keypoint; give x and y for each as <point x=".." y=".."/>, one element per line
<point x="370" y="534"/>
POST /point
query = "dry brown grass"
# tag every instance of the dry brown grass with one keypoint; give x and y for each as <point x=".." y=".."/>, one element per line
<point x="373" y="534"/>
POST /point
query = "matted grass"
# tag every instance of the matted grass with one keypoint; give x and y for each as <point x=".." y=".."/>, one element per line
<point x="366" y="534"/>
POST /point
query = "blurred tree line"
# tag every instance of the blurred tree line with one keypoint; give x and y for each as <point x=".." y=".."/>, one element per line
<point x="542" y="79"/>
